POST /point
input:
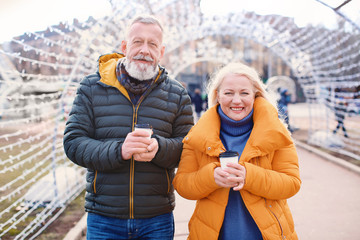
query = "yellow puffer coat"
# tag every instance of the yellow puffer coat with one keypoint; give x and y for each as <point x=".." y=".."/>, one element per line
<point x="272" y="169"/>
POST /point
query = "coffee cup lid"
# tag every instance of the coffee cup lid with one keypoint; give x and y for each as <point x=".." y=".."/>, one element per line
<point x="229" y="154"/>
<point x="143" y="125"/>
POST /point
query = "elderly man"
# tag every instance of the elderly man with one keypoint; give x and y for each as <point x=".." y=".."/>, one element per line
<point x="129" y="192"/>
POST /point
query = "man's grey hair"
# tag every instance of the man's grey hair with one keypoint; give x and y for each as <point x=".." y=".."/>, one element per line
<point x="146" y="19"/>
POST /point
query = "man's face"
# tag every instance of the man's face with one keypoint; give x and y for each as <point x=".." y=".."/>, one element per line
<point x="143" y="50"/>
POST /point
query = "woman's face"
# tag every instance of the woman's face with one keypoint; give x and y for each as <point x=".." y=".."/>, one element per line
<point x="236" y="96"/>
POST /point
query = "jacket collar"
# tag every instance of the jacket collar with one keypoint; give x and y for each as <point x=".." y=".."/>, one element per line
<point x="268" y="134"/>
<point x="107" y="71"/>
<point x="205" y="134"/>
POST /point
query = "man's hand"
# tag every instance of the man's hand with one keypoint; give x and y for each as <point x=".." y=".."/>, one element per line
<point x="152" y="149"/>
<point x="137" y="144"/>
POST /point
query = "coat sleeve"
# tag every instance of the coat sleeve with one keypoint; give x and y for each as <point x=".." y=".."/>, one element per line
<point x="79" y="143"/>
<point x="282" y="181"/>
<point x="170" y="149"/>
<point x="191" y="181"/>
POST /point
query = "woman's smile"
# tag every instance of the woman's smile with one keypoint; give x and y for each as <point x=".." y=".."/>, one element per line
<point x="236" y="96"/>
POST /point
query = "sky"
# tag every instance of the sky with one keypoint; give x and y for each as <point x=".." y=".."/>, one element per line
<point x="19" y="16"/>
<point x="303" y="11"/>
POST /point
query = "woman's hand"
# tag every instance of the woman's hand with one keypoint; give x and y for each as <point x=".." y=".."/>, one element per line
<point x="233" y="176"/>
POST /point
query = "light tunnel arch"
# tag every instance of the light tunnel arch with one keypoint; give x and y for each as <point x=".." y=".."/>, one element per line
<point x="330" y="59"/>
<point x="287" y="51"/>
<point x="264" y="30"/>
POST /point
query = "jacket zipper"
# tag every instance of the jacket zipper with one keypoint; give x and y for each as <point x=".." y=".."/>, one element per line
<point x="257" y="161"/>
<point x="277" y="219"/>
<point x="269" y="207"/>
<point x="132" y="163"/>
<point x="168" y="180"/>
<point x="94" y="184"/>
<point x="131" y="188"/>
<point x="132" y="169"/>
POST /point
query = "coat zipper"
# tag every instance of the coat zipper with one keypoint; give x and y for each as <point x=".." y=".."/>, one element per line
<point x="131" y="188"/>
<point x="132" y="170"/>
<point x="269" y="207"/>
<point x="257" y="161"/>
<point x="132" y="163"/>
<point x="168" y="180"/>
<point x="277" y="219"/>
<point x="94" y="184"/>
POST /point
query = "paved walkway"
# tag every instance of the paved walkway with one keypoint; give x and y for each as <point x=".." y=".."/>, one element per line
<point x="326" y="207"/>
<point x="328" y="203"/>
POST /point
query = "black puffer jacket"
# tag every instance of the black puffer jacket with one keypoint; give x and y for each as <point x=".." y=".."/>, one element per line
<point x="101" y="117"/>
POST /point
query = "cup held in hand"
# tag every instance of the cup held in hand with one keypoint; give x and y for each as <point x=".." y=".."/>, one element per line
<point x="144" y="126"/>
<point x="228" y="157"/>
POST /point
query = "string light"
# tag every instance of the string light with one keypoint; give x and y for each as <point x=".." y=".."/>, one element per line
<point x="33" y="121"/>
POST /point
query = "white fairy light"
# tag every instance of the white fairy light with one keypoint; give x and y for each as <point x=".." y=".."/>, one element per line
<point x="32" y="122"/>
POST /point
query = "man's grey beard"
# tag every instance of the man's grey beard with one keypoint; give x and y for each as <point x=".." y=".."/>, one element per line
<point x="137" y="72"/>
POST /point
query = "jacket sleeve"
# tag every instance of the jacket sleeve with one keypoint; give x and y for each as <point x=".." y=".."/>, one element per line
<point x="79" y="143"/>
<point x="282" y="181"/>
<point x="168" y="155"/>
<point x="192" y="182"/>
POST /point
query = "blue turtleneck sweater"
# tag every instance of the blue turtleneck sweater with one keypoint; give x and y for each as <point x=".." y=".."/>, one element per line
<point x="238" y="223"/>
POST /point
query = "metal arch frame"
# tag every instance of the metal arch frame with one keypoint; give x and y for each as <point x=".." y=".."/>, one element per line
<point x="95" y="41"/>
<point x="260" y="32"/>
<point x="195" y="27"/>
<point x="257" y="29"/>
<point x="336" y="10"/>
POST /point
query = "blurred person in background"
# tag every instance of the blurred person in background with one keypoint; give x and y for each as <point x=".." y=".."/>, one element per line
<point x="283" y="102"/>
<point x="340" y="111"/>
<point x="198" y="103"/>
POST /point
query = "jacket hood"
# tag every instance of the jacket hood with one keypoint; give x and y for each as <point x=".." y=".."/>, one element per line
<point x="268" y="133"/>
<point x="107" y="66"/>
<point x="107" y="71"/>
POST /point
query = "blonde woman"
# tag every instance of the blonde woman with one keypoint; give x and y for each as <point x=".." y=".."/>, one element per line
<point x="252" y="204"/>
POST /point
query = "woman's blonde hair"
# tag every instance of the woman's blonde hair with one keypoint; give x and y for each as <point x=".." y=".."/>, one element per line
<point x="235" y="68"/>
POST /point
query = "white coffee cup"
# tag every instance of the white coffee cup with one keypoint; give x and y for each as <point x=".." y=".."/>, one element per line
<point x="228" y="157"/>
<point x="144" y="126"/>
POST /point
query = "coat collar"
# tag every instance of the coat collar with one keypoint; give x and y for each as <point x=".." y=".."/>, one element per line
<point x="205" y="134"/>
<point x="268" y="134"/>
<point x="107" y="71"/>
